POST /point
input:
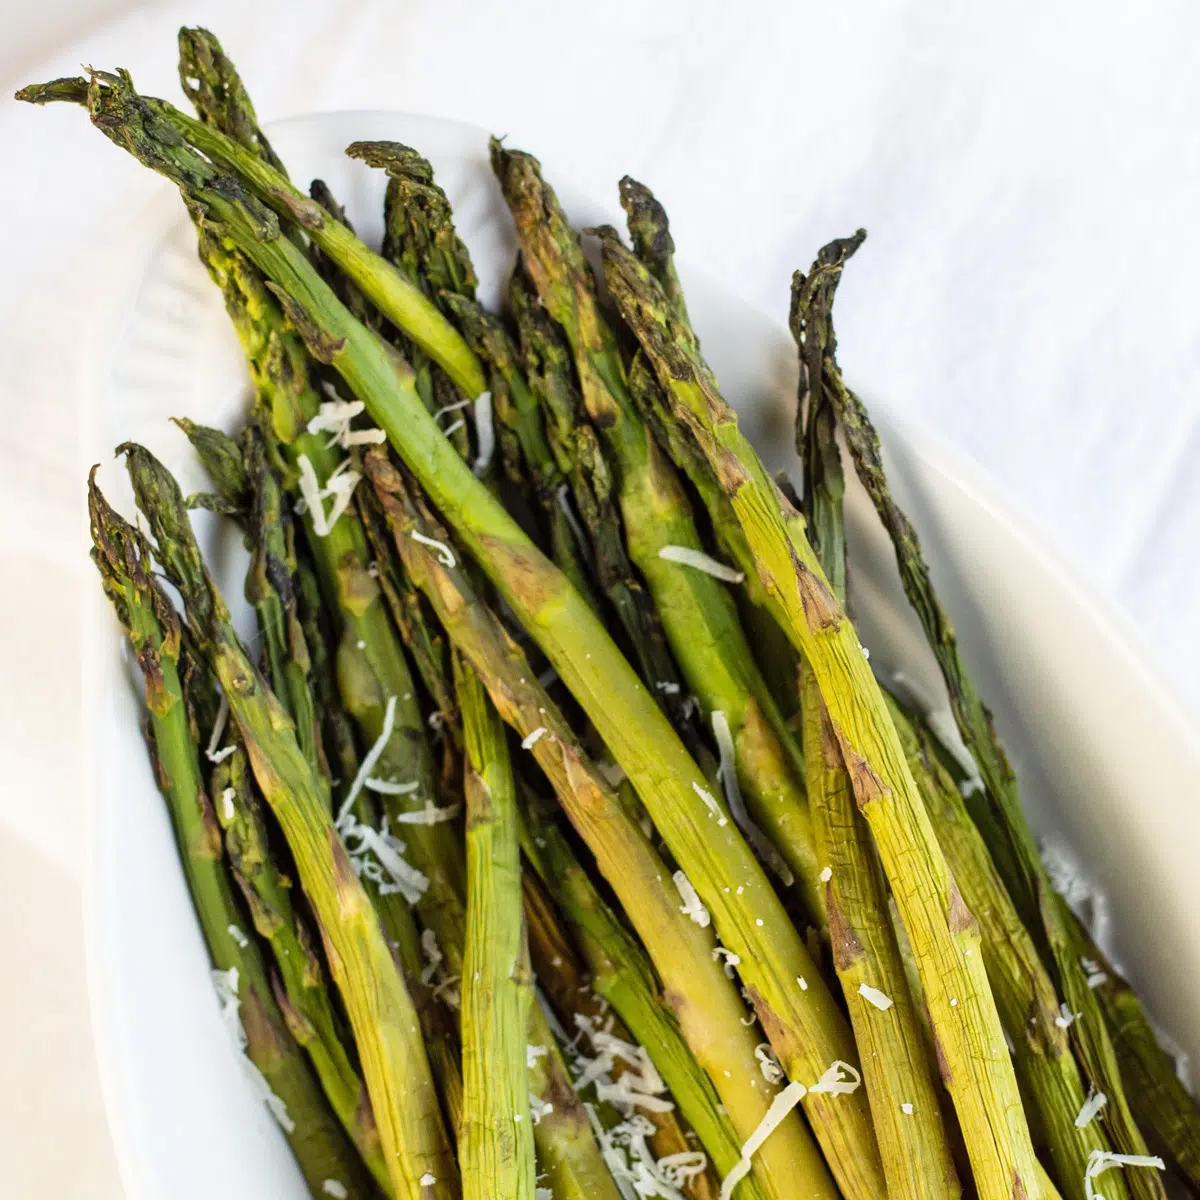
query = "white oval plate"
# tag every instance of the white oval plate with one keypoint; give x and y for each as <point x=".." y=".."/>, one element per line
<point x="1107" y="763"/>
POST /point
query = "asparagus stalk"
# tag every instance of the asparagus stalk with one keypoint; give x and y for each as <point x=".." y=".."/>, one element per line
<point x="380" y="1009"/>
<point x="1002" y="822"/>
<point x="622" y="975"/>
<point x="684" y="953"/>
<point x="1160" y="1102"/>
<point x="805" y="1027"/>
<point x="974" y="1059"/>
<point x="437" y="1024"/>
<point x="1051" y="1083"/>
<point x="904" y="1103"/>
<point x="122" y="556"/>
<point x="496" y="1148"/>
<point x="581" y="461"/>
<point x="301" y="993"/>
<point x="697" y="611"/>
<point x="371" y="668"/>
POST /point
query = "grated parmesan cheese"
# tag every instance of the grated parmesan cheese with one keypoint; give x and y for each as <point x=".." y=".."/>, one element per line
<point x="538" y="1108"/>
<point x="709" y="803"/>
<point x="1066" y="1018"/>
<point x="532" y="1054"/>
<point x="906" y="1109"/>
<point x="772" y="1119"/>
<point x="692" y="905"/>
<point x="1100" y="1161"/>
<point x="238" y="936"/>
<point x="334" y="417"/>
<point x="668" y="688"/>
<point x="758" y="840"/>
<point x="485" y="431"/>
<point x="840" y="1080"/>
<point x="331" y="1187"/>
<point x="1091" y="1106"/>
<point x="431" y="814"/>
<point x="385" y="787"/>
<point x="444" y="554"/>
<point x="1096" y="975"/>
<point x="340" y="485"/>
<point x="532" y="738"/>
<point x="227" y="798"/>
<point x="729" y="960"/>
<point x="699" y="561"/>
<point x="768" y="1064"/>
<point x="802" y="982"/>
<point x="455" y="426"/>
<point x="874" y="996"/>
<point x="428" y="1179"/>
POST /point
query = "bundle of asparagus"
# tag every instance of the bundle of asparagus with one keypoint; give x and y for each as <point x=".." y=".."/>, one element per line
<point x="557" y="840"/>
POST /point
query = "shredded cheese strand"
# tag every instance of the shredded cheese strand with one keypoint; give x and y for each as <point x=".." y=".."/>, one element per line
<point x="1100" y="1161"/>
<point x="699" y="561"/>
<point x="1091" y="1106"/>
<point x="881" y="1000"/>
<point x="485" y="431"/>
<point x="444" y="554"/>
<point x="692" y="905"/>
<point x="772" y="1119"/>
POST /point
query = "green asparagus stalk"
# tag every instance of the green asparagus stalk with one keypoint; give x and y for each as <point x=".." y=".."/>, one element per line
<point x="123" y="557"/>
<point x="804" y="1026"/>
<point x="904" y="1102"/>
<point x="547" y="362"/>
<point x="622" y="975"/>
<point x="380" y="1009"/>
<point x="372" y="671"/>
<point x="705" y="1001"/>
<point x="437" y="1023"/>
<point x="568" y="1154"/>
<point x="578" y="996"/>
<point x="1051" y="1083"/>
<point x="302" y="993"/>
<point x="697" y="611"/>
<point x="974" y="1059"/>
<point x="496" y="1148"/>
<point x="1160" y="1102"/>
<point x="1011" y="841"/>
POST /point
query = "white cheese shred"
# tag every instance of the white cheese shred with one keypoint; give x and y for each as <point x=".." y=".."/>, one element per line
<point x="826" y="874"/>
<point x="385" y="787"/>
<point x="1091" y="1106"/>
<point x="1066" y="1018"/>
<point x="729" y="960"/>
<point x="485" y="431"/>
<point x="906" y="1109"/>
<point x="532" y="1054"/>
<point x="370" y="759"/>
<point x="336" y="1189"/>
<point x="881" y="1000"/>
<point x="238" y="936"/>
<point x="699" y="561"/>
<point x="840" y="1080"/>
<point x="227" y="798"/>
<point x="340" y="485"/>
<point x="1096" y="975"/>
<point x="444" y="554"/>
<point x="1100" y="1161"/>
<point x="431" y="814"/>
<point x="428" y="1179"/>
<point x="713" y="807"/>
<point x="692" y="906"/>
<point x="532" y="738"/>
<point x="768" y="1064"/>
<point x="772" y="1119"/>
<point x="334" y="417"/>
<point x="759" y="842"/>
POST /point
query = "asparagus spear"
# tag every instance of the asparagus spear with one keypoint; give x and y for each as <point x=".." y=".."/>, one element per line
<point x="623" y="976"/>
<point x="696" y="609"/>
<point x="1002" y="822"/>
<point x="301" y="993"/>
<point x="705" y="1001"/>
<point x="1051" y="1083"/>
<point x="974" y="1059"/>
<point x="806" y="1028"/>
<point x="904" y="1103"/>
<point x="437" y="1024"/>
<point x="496" y="1150"/>
<point x="581" y="461"/>
<point x="381" y="1011"/>
<point x="122" y="556"/>
<point x="1160" y="1102"/>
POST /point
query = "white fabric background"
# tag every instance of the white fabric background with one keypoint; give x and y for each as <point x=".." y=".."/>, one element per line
<point x="1029" y="174"/>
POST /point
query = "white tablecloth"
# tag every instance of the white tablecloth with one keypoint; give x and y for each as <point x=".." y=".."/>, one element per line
<point x="1029" y="174"/>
